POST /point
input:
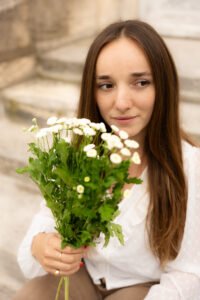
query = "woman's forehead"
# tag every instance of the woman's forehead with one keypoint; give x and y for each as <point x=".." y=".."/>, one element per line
<point x="122" y="53"/>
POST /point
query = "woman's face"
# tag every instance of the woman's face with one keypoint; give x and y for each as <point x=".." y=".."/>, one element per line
<point x="124" y="89"/>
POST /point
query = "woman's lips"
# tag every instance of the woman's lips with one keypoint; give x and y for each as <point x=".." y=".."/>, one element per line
<point x="124" y="120"/>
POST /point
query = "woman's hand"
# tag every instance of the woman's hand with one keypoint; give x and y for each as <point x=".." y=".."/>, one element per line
<point x="46" y="248"/>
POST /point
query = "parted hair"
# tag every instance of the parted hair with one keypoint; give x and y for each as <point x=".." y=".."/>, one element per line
<point x="167" y="185"/>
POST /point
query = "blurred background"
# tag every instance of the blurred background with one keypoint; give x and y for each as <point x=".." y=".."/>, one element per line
<point x="42" y="51"/>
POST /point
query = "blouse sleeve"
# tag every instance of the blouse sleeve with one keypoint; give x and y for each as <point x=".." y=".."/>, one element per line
<point x="42" y="222"/>
<point x="181" y="279"/>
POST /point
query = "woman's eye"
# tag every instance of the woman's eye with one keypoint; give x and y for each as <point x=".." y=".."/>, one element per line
<point x="142" y="83"/>
<point x="105" y="86"/>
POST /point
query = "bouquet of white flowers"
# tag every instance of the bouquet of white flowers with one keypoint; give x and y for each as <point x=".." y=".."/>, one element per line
<point x="81" y="169"/>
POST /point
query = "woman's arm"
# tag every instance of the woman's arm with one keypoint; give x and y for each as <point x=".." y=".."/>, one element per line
<point x="181" y="279"/>
<point x="42" y="222"/>
<point x="176" y="286"/>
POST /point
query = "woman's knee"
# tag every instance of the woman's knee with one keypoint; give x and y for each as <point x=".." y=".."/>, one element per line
<point x="43" y="287"/>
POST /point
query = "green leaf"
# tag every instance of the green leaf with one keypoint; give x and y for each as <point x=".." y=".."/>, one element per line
<point x="22" y="170"/>
<point x="118" y="232"/>
<point x="64" y="174"/>
<point x="106" y="211"/>
<point x="61" y="148"/>
<point x="134" y="180"/>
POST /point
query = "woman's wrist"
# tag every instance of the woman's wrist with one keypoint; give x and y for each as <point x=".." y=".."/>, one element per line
<point x="35" y="242"/>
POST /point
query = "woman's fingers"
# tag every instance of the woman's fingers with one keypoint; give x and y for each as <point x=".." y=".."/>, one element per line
<point x="70" y="258"/>
<point x="61" y="272"/>
<point x="63" y="267"/>
<point x="63" y="262"/>
<point x="54" y="241"/>
<point x="47" y="249"/>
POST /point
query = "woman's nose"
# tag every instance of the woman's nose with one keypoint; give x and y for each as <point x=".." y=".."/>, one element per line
<point x="123" y="100"/>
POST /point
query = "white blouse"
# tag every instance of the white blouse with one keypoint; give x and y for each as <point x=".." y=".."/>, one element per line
<point x="134" y="262"/>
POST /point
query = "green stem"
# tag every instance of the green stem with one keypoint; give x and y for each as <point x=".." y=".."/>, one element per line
<point x="59" y="287"/>
<point x="66" y="283"/>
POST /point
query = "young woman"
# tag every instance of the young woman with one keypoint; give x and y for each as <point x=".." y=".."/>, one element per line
<point x="130" y="81"/>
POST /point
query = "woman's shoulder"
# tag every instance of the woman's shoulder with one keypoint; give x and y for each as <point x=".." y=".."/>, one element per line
<point x="191" y="160"/>
<point x="190" y="151"/>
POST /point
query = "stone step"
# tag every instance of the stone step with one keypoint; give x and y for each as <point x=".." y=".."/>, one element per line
<point x="17" y="207"/>
<point x="64" y="63"/>
<point x="40" y="98"/>
<point x="14" y="149"/>
<point x="19" y="200"/>
<point x="17" y="70"/>
<point x="13" y="145"/>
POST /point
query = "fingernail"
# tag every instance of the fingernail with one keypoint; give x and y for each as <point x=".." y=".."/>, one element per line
<point x="81" y="264"/>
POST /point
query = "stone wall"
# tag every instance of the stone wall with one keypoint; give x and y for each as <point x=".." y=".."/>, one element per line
<point x="178" y="21"/>
<point x="16" y="47"/>
<point x="179" y="24"/>
<point x="175" y="18"/>
<point x="29" y="27"/>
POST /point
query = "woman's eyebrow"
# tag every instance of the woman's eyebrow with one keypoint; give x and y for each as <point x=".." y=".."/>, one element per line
<point x="140" y="74"/>
<point x="102" y="77"/>
<point x="134" y="74"/>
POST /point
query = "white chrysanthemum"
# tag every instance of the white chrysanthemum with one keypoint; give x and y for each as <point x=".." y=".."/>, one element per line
<point x="55" y="128"/>
<point x="123" y="134"/>
<point x="105" y="136"/>
<point x="115" y="158"/>
<point x="73" y="122"/>
<point x="86" y="178"/>
<point x="114" y="142"/>
<point x="115" y="138"/>
<point x="102" y="127"/>
<point x="32" y="128"/>
<point x="91" y="153"/>
<point x="34" y="120"/>
<point x="136" y="158"/>
<point x="68" y="121"/>
<point x="89" y="131"/>
<point x="110" y="144"/>
<point x="131" y="144"/>
<point x="119" y="145"/>
<point x="61" y="120"/>
<point x="88" y="147"/>
<point x="78" y="131"/>
<point x="80" y="189"/>
<point x="96" y="126"/>
<point x="52" y="121"/>
<point x="114" y="128"/>
<point x="125" y="152"/>
<point x="41" y="133"/>
<point x="67" y="139"/>
<point x="126" y="193"/>
<point x="84" y="121"/>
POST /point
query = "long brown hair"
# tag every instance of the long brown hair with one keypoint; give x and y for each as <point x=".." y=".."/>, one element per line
<point x="167" y="185"/>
